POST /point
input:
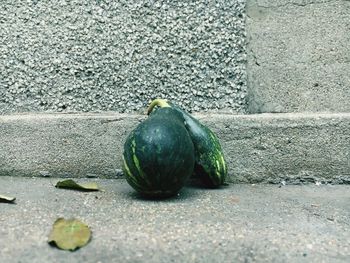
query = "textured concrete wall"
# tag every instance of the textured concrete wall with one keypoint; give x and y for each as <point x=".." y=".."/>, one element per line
<point x="85" y="55"/>
<point x="298" y="55"/>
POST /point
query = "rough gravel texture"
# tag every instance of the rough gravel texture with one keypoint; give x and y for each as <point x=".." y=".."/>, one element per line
<point x="101" y="55"/>
<point x="239" y="223"/>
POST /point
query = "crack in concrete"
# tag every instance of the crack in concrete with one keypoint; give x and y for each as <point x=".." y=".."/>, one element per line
<point x="298" y="4"/>
<point x="254" y="56"/>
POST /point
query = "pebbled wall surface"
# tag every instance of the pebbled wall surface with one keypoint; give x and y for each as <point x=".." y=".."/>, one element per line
<point x="85" y="55"/>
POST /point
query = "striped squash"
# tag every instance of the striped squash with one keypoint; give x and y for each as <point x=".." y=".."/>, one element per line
<point x="210" y="164"/>
<point x="158" y="155"/>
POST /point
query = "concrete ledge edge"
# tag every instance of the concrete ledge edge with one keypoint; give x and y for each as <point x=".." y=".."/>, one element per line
<point x="275" y="148"/>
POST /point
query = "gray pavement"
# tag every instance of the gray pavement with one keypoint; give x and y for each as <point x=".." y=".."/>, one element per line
<point x="239" y="223"/>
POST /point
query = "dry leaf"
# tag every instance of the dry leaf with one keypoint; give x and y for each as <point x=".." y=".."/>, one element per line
<point x="234" y="199"/>
<point x="7" y="199"/>
<point x="69" y="234"/>
<point x="71" y="184"/>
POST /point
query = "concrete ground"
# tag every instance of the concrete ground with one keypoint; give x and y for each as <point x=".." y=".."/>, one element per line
<point x="239" y="223"/>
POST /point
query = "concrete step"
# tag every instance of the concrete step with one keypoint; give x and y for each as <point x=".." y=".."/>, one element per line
<point x="239" y="223"/>
<point x="291" y="148"/>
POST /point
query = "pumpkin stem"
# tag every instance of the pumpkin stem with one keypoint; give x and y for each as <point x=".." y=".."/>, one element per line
<point x="157" y="102"/>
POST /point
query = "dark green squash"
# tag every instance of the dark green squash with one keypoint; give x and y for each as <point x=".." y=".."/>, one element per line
<point x="158" y="154"/>
<point x="210" y="164"/>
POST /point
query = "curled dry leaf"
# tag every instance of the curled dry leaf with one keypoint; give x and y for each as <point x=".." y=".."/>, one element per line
<point x="7" y="199"/>
<point x="71" y="184"/>
<point x="69" y="234"/>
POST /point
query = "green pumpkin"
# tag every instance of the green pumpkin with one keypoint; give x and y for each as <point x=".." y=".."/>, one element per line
<point x="210" y="164"/>
<point x="158" y="155"/>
